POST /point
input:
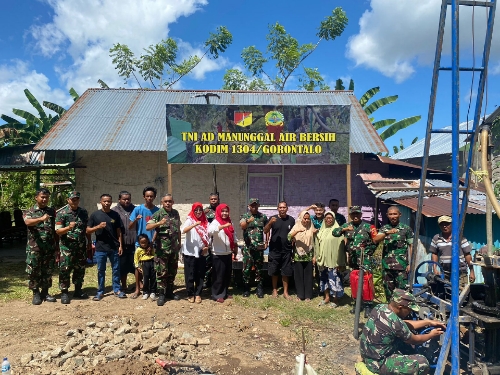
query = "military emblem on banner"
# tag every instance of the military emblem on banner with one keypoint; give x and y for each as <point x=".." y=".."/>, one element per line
<point x="243" y="118"/>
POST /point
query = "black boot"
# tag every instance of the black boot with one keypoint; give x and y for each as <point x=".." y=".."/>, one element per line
<point x="46" y="296"/>
<point x="260" y="290"/>
<point x="246" y="290"/>
<point x="169" y="294"/>
<point x="37" y="298"/>
<point x="65" y="297"/>
<point x="161" y="298"/>
<point x="368" y="309"/>
<point x="79" y="293"/>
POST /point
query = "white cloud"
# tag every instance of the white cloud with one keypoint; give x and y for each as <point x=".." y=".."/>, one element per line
<point x="397" y="36"/>
<point x="85" y="30"/>
<point x="17" y="77"/>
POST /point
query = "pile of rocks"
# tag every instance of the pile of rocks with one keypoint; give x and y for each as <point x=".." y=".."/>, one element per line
<point x="102" y="342"/>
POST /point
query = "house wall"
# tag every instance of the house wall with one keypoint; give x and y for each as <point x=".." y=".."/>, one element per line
<point x="113" y="171"/>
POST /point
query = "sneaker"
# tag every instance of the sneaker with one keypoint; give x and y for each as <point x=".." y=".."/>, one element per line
<point x="145" y="296"/>
<point x="153" y="297"/>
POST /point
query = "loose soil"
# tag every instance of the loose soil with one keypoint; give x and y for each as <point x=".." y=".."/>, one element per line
<point x="243" y="340"/>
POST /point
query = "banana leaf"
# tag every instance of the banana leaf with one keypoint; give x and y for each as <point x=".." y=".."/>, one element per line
<point x="27" y="116"/>
<point x="368" y="95"/>
<point x="74" y="94"/>
<point x="54" y="107"/>
<point x="398" y="126"/>
<point x="383" y="123"/>
<point x="379" y="103"/>
<point x="35" y="104"/>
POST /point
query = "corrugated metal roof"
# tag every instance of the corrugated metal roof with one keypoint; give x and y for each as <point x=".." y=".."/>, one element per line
<point x="435" y="205"/>
<point x="440" y="144"/>
<point x="134" y="120"/>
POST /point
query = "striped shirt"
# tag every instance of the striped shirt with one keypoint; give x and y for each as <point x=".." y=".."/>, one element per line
<point x="442" y="248"/>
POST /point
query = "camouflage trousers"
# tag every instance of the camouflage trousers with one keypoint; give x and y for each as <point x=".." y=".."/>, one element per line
<point x="394" y="279"/>
<point x="252" y="259"/>
<point x="72" y="259"/>
<point x="166" y="264"/>
<point x="400" y="364"/>
<point x="40" y="266"/>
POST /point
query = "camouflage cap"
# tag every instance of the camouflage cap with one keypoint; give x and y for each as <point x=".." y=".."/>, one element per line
<point x="253" y="200"/>
<point x="73" y="194"/>
<point x="405" y="298"/>
<point x="444" y="219"/>
<point x="354" y="209"/>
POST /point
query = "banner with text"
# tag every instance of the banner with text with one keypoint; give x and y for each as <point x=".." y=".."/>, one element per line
<point x="250" y="134"/>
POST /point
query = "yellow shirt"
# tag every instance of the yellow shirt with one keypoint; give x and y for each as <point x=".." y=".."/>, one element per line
<point x="141" y="256"/>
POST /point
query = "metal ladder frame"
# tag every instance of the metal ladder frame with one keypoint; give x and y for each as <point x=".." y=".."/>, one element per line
<point x="458" y="212"/>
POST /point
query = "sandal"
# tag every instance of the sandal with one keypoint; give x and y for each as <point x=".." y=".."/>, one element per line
<point x="120" y="295"/>
<point x="97" y="297"/>
<point x="197" y="299"/>
<point x="191" y="299"/>
<point x="134" y="296"/>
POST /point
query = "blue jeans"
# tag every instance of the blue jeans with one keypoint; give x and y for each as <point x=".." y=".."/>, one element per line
<point x="101" y="258"/>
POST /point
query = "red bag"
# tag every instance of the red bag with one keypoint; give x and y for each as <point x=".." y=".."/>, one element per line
<point x="368" y="293"/>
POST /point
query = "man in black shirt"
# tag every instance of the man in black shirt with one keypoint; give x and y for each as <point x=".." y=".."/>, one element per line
<point x="280" y="248"/>
<point x="334" y="206"/>
<point x="107" y="226"/>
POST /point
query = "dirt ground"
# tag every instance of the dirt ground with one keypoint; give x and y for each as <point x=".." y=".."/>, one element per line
<point x="243" y="340"/>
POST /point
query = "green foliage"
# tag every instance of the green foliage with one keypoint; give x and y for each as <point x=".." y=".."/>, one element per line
<point x="339" y="85"/>
<point x="401" y="145"/>
<point x="158" y="64"/>
<point x="74" y="94"/>
<point x="17" y="190"/>
<point x="284" y="54"/>
<point x="312" y="80"/>
<point x="235" y="79"/>
<point x="351" y="85"/>
<point x="394" y="128"/>
<point x="379" y="103"/>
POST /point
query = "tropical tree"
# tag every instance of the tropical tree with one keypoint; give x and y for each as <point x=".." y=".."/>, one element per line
<point x="235" y="79"/>
<point x="158" y="65"/>
<point x="402" y="146"/>
<point x="284" y="55"/>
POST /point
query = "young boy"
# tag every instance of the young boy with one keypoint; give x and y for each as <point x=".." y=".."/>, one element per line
<point x="144" y="263"/>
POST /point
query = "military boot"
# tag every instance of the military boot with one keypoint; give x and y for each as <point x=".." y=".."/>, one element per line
<point x="368" y="308"/>
<point x="46" y="296"/>
<point x="65" y="297"/>
<point x="260" y="290"/>
<point x="79" y="293"/>
<point x="161" y="298"/>
<point x="37" y="298"/>
<point x="246" y="290"/>
<point x="169" y="294"/>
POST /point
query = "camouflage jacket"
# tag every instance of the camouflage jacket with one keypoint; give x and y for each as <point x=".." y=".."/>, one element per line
<point x="41" y="235"/>
<point x="254" y="234"/>
<point x="383" y="335"/>
<point x="395" y="253"/>
<point x="167" y="235"/>
<point x="358" y="240"/>
<point x="209" y="213"/>
<point x="78" y="233"/>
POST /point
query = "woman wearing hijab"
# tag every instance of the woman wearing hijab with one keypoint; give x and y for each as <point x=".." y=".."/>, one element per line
<point x="195" y="248"/>
<point x="224" y="243"/>
<point x="302" y="234"/>
<point x="330" y="256"/>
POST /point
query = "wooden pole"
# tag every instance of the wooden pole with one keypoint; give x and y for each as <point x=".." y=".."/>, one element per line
<point x="169" y="176"/>
<point x="348" y="185"/>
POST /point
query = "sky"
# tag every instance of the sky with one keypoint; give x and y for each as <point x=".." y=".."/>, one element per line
<point x="49" y="46"/>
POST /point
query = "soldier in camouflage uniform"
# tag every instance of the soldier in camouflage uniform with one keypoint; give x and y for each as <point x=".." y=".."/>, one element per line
<point x="41" y="248"/>
<point x="386" y="338"/>
<point x="360" y="244"/>
<point x="398" y="239"/>
<point x="253" y="223"/>
<point x="210" y="215"/>
<point x="167" y="224"/>
<point x="74" y="242"/>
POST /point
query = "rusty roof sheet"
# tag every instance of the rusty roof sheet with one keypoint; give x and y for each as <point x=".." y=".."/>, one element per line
<point x="134" y="120"/>
<point x="434" y="205"/>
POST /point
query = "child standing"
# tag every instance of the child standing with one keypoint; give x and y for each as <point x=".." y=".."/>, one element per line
<point x="144" y="262"/>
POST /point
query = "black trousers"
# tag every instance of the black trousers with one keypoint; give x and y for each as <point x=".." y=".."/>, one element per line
<point x="303" y="277"/>
<point x="149" y="277"/>
<point x="222" y="266"/>
<point x="194" y="273"/>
